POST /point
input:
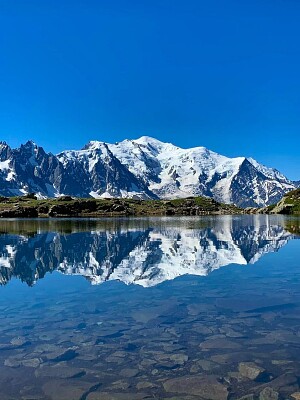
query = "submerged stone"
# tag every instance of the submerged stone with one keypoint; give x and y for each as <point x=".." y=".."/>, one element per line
<point x="207" y="365"/>
<point x="207" y="387"/>
<point x="61" y="355"/>
<point x="171" y="360"/>
<point x="281" y="362"/>
<point x="182" y="398"/>
<point x="296" y="395"/>
<point x="250" y="370"/>
<point x="32" y="362"/>
<point x="219" y="343"/>
<point x="145" y="385"/>
<point x="12" y="362"/>
<point x="282" y="381"/>
<point x="116" y="396"/>
<point x="19" y="341"/>
<point x="120" y="385"/>
<point x="66" y="390"/>
<point x="268" y="394"/>
<point x="59" y="371"/>
<point x="129" y="372"/>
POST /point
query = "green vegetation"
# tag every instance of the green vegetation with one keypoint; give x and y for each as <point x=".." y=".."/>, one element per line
<point x="30" y="207"/>
<point x="271" y="207"/>
<point x="291" y="202"/>
<point x="66" y="206"/>
<point x="288" y="205"/>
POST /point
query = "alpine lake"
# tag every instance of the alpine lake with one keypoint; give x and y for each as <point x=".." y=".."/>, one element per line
<point x="150" y="308"/>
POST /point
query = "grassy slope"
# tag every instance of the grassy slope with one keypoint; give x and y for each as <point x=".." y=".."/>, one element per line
<point x="289" y="204"/>
<point x="293" y="198"/>
<point x="27" y="206"/>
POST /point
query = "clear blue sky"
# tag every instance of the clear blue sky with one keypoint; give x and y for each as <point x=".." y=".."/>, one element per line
<point x="221" y="74"/>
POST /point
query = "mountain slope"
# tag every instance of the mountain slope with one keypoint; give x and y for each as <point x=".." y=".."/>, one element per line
<point x="289" y="204"/>
<point x="96" y="172"/>
<point x="27" y="169"/>
<point x="171" y="171"/>
<point x="143" y="168"/>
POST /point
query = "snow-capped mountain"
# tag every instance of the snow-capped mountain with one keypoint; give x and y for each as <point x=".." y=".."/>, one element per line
<point x="142" y="168"/>
<point x="296" y="183"/>
<point x="96" y="172"/>
<point x="170" y="171"/>
<point x="27" y="169"/>
<point x="146" y="255"/>
<point x="84" y="173"/>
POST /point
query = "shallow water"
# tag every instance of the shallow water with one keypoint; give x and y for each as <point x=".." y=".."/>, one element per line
<point x="152" y="308"/>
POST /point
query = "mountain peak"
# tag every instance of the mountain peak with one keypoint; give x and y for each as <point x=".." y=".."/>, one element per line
<point x="269" y="172"/>
<point x="4" y="149"/>
<point x="30" y="143"/>
<point x="93" y="145"/>
<point x="31" y="146"/>
<point x="148" y="140"/>
<point x="151" y="142"/>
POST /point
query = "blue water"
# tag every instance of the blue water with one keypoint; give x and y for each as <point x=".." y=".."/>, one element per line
<point x="152" y="308"/>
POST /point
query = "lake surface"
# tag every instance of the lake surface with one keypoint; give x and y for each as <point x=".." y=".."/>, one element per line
<point x="152" y="308"/>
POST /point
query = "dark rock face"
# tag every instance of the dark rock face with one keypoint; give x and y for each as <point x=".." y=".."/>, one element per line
<point x="27" y="169"/>
<point x="297" y="184"/>
<point x="248" y="187"/>
<point x="30" y="169"/>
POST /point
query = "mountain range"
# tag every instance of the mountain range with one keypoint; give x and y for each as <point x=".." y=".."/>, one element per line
<point x="145" y="168"/>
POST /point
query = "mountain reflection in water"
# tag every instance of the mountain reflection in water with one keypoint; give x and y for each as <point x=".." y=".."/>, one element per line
<point x="224" y="335"/>
<point x="137" y="251"/>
